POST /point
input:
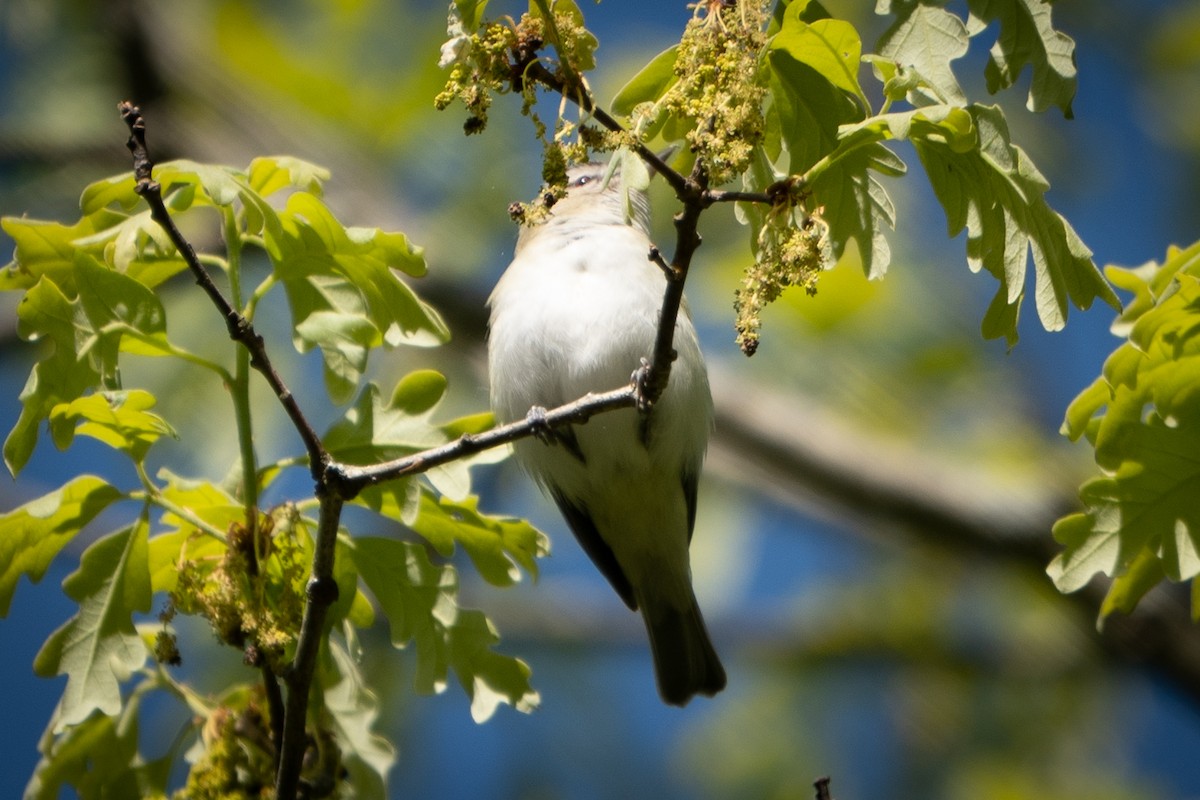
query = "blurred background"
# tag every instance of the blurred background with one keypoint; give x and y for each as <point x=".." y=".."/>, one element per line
<point x="876" y="510"/>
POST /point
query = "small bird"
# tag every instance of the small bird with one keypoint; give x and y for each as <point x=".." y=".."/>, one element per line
<point x="576" y="312"/>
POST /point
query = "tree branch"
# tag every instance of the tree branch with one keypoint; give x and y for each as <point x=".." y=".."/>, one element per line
<point x="351" y="480"/>
<point x="240" y="329"/>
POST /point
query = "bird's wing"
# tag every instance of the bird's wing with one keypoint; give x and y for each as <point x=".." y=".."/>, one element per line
<point x="601" y="554"/>
<point x="691" y="486"/>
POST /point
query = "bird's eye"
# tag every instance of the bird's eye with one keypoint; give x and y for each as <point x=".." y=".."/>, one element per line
<point x="581" y="180"/>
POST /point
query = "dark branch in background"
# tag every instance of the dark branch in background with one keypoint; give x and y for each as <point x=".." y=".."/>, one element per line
<point x="822" y="787"/>
<point x="834" y="471"/>
<point x="824" y="465"/>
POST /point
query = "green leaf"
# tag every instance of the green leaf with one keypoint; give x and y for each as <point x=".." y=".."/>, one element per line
<point x="99" y="647"/>
<point x="205" y="501"/>
<point x="649" y="84"/>
<point x="806" y="10"/>
<point x="471" y="13"/>
<point x="60" y="376"/>
<point x="123" y="313"/>
<point x="997" y="194"/>
<point x="32" y="535"/>
<point x="857" y="207"/>
<point x="98" y="758"/>
<point x="1027" y="36"/>
<point x="1150" y="283"/>
<point x="354" y="712"/>
<point x="578" y="50"/>
<point x="1140" y="520"/>
<point x="47" y="250"/>
<point x="498" y="546"/>
<point x="810" y="110"/>
<point x="374" y="431"/>
<point x="121" y="420"/>
<point x="343" y="291"/>
<point x="830" y="46"/>
<point x="1091" y="545"/>
<point x="267" y="176"/>
<point x="220" y="185"/>
<point x="489" y="678"/>
<point x="419" y="600"/>
<point x="118" y="190"/>
<point x="351" y="603"/>
<point x="1144" y="573"/>
<point x="927" y="39"/>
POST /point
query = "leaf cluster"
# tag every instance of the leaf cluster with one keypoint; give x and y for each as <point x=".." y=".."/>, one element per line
<point x="89" y="297"/>
<point x="1141" y="521"/>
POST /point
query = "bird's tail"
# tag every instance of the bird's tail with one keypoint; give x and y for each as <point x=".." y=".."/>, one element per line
<point x="685" y="662"/>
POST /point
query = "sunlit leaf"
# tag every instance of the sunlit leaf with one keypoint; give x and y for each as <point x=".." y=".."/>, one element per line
<point x="60" y="376"/>
<point x="927" y="38"/>
<point x="47" y="249"/>
<point x="497" y="546"/>
<point x="343" y="290"/>
<point x="354" y="711"/>
<point x="124" y="314"/>
<point x="376" y="429"/>
<point x="31" y="535"/>
<point x="489" y="678"/>
<point x="857" y="207"/>
<point x="416" y="597"/>
<point x="1140" y="521"/>
<point x="831" y="47"/>
<point x="997" y="194"/>
<point x="267" y="176"/>
<point x="649" y="84"/>
<point x="579" y="51"/>
<point x="99" y="647"/>
<point x="419" y="600"/>
<point x="471" y="13"/>
<point x="98" y="758"/>
<point x="121" y="420"/>
<point x="1027" y="36"/>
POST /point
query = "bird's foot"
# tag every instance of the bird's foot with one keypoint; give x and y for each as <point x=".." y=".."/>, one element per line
<point x="641" y="386"/>
<point x="536" y="419"/>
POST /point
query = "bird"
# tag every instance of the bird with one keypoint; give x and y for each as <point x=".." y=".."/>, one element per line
<point x="577" y="311"/>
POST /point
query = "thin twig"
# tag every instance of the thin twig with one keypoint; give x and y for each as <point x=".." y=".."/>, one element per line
<point x="733" y="196"/>
<point x="240" y="330"/>
<point x="538" y="72"/>
<point x="353" y="479"/>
